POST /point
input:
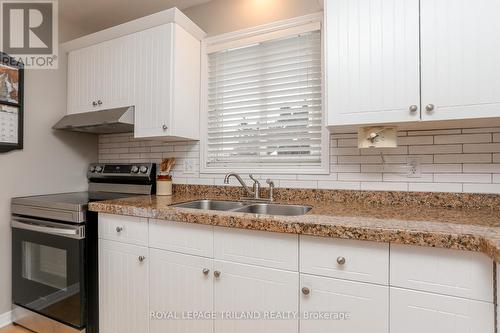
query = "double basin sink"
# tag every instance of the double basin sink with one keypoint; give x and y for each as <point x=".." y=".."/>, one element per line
<point x="247" y="207"/>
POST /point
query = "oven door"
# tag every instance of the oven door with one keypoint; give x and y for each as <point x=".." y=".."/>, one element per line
<point x="48" y="269"/>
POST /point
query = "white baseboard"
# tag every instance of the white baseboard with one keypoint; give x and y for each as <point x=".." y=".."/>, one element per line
<point x="5" y="319"/>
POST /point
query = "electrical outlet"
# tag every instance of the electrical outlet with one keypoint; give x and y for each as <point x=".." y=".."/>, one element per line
<point x="414" y="169"/>
<point x="188" y="166"/>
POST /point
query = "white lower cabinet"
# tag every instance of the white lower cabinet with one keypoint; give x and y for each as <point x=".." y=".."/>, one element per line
<point x="123" y="288"/>
<point x="181" y="287"/>
<point x="417" y="312"/>
<point x="185" y="275"/>
<point x="255" y="291"/>
<point x="352" y="307"/>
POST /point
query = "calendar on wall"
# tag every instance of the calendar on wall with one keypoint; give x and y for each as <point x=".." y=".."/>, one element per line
<point x="11" y="103"/>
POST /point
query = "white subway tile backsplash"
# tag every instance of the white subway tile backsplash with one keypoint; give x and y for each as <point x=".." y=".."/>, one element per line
<point x="403" y="177"/>
<point x="482" y="148"/>
<point x="452" y="160"/>
<point x="462" y="178"/>
<point x="362" y="177"/>
<point x="435" y="132"/>
<point x="462" y="138"/>
<point x="416" y="140"/>
<point x="463" y="158"/>
<point x="481" y="188"/>
<point x="384" y="186"/>
<point x="482" y="168"/>
<point x="435" y="149"/>
<point x="339" y="185"/>
<point x="435" y="187"/>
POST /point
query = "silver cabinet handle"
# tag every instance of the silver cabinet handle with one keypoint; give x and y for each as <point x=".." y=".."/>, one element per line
<point x="429" y="107"/>
<point x="413" y="108"/>
<point x="99" y="102"/>
<point x="306" y="291"/>
<point x="217" y="274"/>
<point x="119" y="229"/>
<point x="340" y="260"/>
<point x="94" y="103"/>
<point x="142" y="258"/>
<point x="165" y="127"/>
<point x="205" y="271"/>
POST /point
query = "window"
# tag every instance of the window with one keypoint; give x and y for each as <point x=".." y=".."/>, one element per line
<point x="265" y="105"/>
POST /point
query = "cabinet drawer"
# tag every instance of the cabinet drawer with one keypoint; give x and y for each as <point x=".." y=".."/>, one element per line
<point x="187" y="238"/>
<point x="417" y="312"/>
<point x="345" y="259"/>
<point x="443" y="271"/>
<point x="268" y="249"/>
<point x="367" y="305"/>
<point x="125" y="229"/>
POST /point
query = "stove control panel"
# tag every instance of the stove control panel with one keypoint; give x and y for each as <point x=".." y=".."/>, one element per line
<point x="103" y="170"/>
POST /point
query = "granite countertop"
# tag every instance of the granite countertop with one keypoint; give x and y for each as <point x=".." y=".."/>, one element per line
<point x="454" y="221"/>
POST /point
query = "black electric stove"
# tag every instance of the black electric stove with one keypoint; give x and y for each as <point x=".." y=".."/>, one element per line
<point x="54" y="250"/>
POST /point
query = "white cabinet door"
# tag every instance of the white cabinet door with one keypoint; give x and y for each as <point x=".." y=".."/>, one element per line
<point x="417" y="312"/>
<point x="123" y="288"/>
<point x="101" y="76"/>
<point x="460" y="52"/>
<point x="254" y="291"/>
<point x="115" y="79"/>
<point x="181" y="284"/>
<point x="372" y="61"/>
<point x="82" y="74"/>
<point x="153" y="91"/>
<point x="360" y="307"/>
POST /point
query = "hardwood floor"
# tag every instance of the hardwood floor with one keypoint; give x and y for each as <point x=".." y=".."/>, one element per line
<point x="14" y="329"/>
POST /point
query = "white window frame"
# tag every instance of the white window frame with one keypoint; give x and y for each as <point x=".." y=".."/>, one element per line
<point x="258" y="34"/>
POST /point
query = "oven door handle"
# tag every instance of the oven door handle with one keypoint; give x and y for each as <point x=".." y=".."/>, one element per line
<point x="32" y="225"/>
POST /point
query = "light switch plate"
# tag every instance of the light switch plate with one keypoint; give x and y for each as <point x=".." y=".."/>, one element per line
<point x="377" y="137"/>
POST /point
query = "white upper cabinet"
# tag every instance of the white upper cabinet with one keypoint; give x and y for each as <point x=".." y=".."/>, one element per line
<point x="460" y="59"/>
<point x="155" y="67"/>
<point x="101" y="76"/>
<point x="404" y="61"/>
<point x="167" y="92"/>
<point x="372" y="61"/>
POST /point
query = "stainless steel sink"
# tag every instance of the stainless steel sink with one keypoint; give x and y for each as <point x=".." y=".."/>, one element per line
<point x="212" y="205"/>
<point x="246" y="207"/>
<point x="274" y="209"/>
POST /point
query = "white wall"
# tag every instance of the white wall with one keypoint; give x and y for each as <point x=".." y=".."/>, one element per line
<point x="51" y="161"/>
<point x="219" y="16"/>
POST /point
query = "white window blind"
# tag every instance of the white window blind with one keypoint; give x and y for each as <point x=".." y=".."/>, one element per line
<point x="265" y="105"/>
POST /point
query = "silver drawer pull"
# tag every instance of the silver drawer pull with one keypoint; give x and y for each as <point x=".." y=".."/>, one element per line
<point x="429" y="107"/>
<point x="217" y="274"/>
<point x="413" y="108"/>
<point x="119" y="229"/>
<point x="205" y="271"/>
<point x="306" y="291"/>
<point x="142" y="258"/>
<point x="340" y="260"/>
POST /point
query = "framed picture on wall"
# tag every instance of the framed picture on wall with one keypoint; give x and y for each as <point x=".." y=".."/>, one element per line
<point x="11" y="103"/>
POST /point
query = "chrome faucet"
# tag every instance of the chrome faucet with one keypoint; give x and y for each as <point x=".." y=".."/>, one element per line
<point x="250" y="193"/>
<point x="253" y="193"/>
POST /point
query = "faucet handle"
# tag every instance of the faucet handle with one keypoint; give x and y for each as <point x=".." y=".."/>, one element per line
<point x="254" y="180"/>
<point x="269" y="182"/>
